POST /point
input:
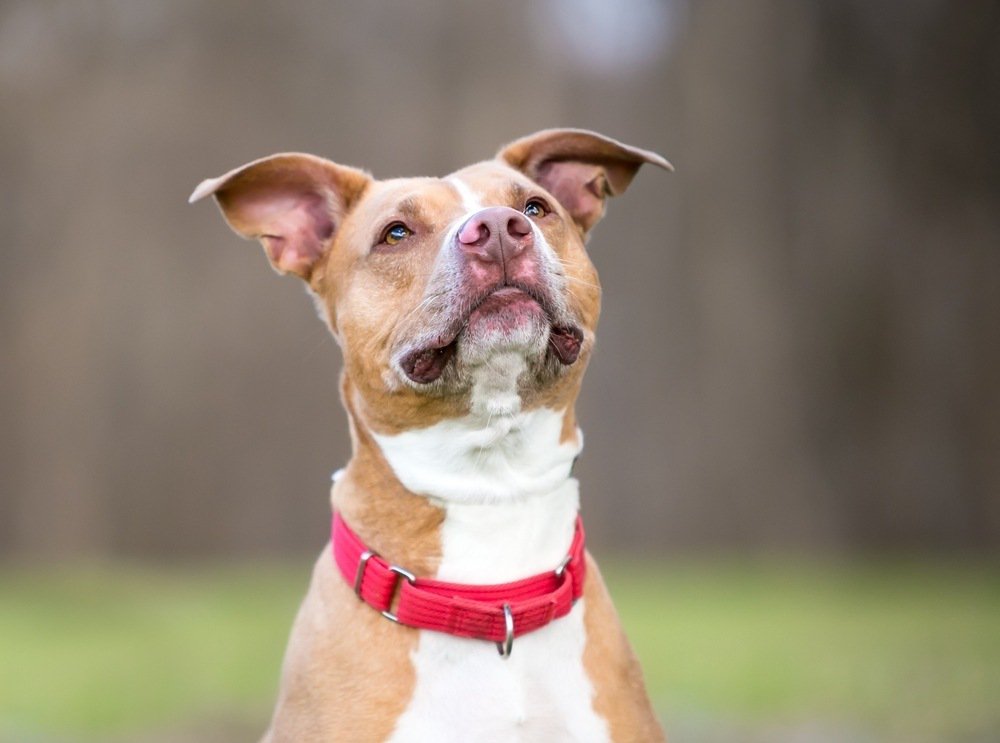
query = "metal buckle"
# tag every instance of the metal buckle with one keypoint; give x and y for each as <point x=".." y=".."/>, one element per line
<point x="410" y="577"/>
<point x="562" y="566"/>
<point x="505" y="647"/>
<point x="359" y="574"/>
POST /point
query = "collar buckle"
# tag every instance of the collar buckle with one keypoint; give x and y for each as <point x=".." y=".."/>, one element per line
<point x="562" y="566"/>
<point x="400" y="573"/>
<point x="359" y="574"/>
<point x="463" y="610"/>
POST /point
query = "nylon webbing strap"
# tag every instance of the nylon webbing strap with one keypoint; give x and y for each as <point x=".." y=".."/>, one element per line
<point x="465" y="610"/>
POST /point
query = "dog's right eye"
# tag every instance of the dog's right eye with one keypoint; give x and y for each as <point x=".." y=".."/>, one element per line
<point x="395" y="233"/>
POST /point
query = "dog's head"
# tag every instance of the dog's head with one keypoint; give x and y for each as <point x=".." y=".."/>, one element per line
<point x="469" y="293"/>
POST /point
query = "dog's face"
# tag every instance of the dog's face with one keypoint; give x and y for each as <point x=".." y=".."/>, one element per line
<point x="436" y="288"/>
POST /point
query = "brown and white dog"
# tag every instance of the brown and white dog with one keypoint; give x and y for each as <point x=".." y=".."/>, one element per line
<point x="465" y="307"/>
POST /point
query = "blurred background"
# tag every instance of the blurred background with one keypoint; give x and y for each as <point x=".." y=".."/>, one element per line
<point x="792" y="417"/>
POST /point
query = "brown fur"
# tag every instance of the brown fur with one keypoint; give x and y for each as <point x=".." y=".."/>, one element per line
<point x="619" y="690"/>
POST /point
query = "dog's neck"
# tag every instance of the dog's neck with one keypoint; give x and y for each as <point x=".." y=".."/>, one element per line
<point x="494" y="454"/>
<point x="477" y="460"/>
<point x="489" y="495"/>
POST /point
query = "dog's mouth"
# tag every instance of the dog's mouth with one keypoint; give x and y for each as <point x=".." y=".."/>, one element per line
<point x="499" y="307"/>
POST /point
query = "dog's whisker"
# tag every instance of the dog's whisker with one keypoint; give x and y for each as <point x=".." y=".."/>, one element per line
<point x="424" y="303"/>
<point x="581" y="282"/>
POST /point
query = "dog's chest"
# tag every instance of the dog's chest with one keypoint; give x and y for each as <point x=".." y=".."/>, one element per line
<point x="541" y="692"/>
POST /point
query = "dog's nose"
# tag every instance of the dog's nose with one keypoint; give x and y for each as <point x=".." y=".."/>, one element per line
<point x="496" y="235"/>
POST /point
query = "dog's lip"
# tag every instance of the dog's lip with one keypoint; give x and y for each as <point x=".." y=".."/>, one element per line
<point x="505" y="291"/>
<point x="566" y="341"/>
<point x="426" y="362"/>
<point x="509" y="289"/>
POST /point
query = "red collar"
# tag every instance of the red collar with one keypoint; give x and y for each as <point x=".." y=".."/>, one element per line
<point x="498" y="612"/>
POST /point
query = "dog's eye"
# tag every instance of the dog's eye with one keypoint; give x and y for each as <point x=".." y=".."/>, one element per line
<point x="395" y="233"/>
<point x="536" y="208"/>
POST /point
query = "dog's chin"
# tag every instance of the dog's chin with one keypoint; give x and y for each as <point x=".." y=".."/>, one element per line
<point x="507" y="322"/>
<point x="479" y="347"/>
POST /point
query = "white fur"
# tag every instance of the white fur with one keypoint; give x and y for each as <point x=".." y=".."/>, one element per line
<point x="469" y="200"/>
<point x="497" y="543"/>
<point x="464" y="689"/>
<point x="497" y="453"/>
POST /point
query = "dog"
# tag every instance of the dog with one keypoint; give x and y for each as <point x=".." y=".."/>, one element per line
<point x="457" y="601"/>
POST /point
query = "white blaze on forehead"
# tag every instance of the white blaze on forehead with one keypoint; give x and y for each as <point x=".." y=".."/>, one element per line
<point x="472" y="203"/>
<point x="469" y="198"/>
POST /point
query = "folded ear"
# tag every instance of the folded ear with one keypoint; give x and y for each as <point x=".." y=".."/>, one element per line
<point x="293" y="203"/>
<point x="580" y="168"/>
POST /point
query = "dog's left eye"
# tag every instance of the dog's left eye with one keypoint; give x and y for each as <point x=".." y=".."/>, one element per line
<point x="536" y="208"/>
<point x="395" y="233"/>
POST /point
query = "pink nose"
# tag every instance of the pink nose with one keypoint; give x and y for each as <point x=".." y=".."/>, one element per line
<point x="496" y="235"/>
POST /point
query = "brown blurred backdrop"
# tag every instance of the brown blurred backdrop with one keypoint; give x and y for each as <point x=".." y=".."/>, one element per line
<point x="800" y="346"/>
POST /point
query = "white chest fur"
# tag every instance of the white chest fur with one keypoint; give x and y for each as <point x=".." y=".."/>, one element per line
<point x="510" y="507"/>
<point x="464" y="689"/>
<point x="466" y="692"/>
<point x="496" y="454"/>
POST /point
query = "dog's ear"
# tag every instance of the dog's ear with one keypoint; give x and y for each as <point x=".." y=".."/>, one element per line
<point x="293" y="203"/>
<point x="580" y="168"/>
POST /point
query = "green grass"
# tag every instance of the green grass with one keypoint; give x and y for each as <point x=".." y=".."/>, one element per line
<point x="90" y="652"/>
<point x="898" y="651"/>
<point x="902" y="651"/>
